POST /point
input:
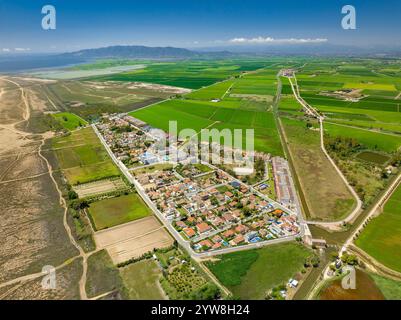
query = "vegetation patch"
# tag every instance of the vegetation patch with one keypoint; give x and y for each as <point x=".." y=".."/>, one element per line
<point x="381" y="238"/>
<point x="373" y="157"/>
<point x="83" y="158"/>
<point x="251" y="274"/>
<point x="366" y="289"/>
<point x="114" y="211"/>
<point x="102" y="275"/>
<point x="69" y="120"/>
<point x="391" y="289"/>
<point x="326" y="195"/>
<point x="141" y="281"/>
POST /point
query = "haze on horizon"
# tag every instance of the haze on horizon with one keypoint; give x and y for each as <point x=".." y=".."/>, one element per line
<point x="195" y="24"/>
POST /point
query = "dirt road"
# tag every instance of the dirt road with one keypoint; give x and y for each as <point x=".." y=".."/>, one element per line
<point x="21" y="136"/>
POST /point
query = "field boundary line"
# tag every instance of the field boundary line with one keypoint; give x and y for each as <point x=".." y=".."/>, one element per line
<point x="384" y="198"/>
<point x="365" y="129"/>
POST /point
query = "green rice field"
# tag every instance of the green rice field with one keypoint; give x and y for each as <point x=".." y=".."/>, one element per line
<point x="82" y="157"/>
<point x="197" y="111"/>
<point x="381" y="238"/>
<point x="114" y="211"/>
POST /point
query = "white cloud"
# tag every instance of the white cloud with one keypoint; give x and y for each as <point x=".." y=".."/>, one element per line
<point x="5" y="50"/>
<point x="269" y="40"/>
<point x="22" y="49"/>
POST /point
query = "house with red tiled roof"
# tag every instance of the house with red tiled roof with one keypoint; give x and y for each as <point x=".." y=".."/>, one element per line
<point x="217" y="238"/>
<point x="181" y="224"/>
<point x="228" y="217"/>
<point x="228" y="194"/>
<point x="236" y="213"/>
<point x="228" y="234"/>
<point x="203" y="227"/>
<point x="206" y="243"/>
<point x="241" y="229"/>
<point x="189" y="232"/>
<point x="239" y="239"/>
<point x="217" y="222"/>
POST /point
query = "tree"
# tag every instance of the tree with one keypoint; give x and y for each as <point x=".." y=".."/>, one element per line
<point x="247" y="212"/>
<point x="72" y="195"/>
<point x="333" y="256"/>
<point x="79" y="204"/>
<point x="349" y="259"/>
<point x="315" y="261"/>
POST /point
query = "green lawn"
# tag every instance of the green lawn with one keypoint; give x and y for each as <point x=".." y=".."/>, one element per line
<point x="141" y="281"/>
<point x="69" y="120"/>
<point x="382" y="236"/>
<point x="391" y="289"/>
<point x="82" y="157"/>
<point x="114" y="211"/>
<point x="251" y="274"/>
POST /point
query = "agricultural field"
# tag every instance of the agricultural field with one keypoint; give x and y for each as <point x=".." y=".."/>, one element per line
<point x="391" y="289"/>
<point x="357" y="93"/>
<point x="141" y="281"/>
<point x="89" y="99"/>
<point x="196" y="111"/>
<point x="381" y="238"/>
<point x="69" y="121"/>
<point x="326" y="197"/>
<point x="133" y="239"/>
<point x="251" y="274"/>
<point x="372" y="140"/>
<point x="189" y="74"/>
<point x="366" y="289"/>
<point x="114" y="211"/>
<point x="83" y="158"/>
<point x="102" y="275"/>
<point x="183" y="280"/>
<point x="100" y="187"/>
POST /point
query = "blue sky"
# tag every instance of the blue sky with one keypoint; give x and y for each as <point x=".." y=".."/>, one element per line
<point x="193" y="23"/>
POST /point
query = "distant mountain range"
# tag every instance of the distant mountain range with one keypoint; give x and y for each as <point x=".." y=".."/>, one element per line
<point x="138" y="52"/>
<point x="25" y="62"/>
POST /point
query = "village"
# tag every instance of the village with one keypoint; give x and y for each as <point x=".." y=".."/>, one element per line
<point x="207" y="206"/>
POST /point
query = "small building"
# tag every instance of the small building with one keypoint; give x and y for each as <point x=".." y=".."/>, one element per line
<point x="189" y="232"/>
<point x="181" y="224"/>
<point x="238" y="239"/>
<point x="203" y="227"/>
<point x="319" y="243"/>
